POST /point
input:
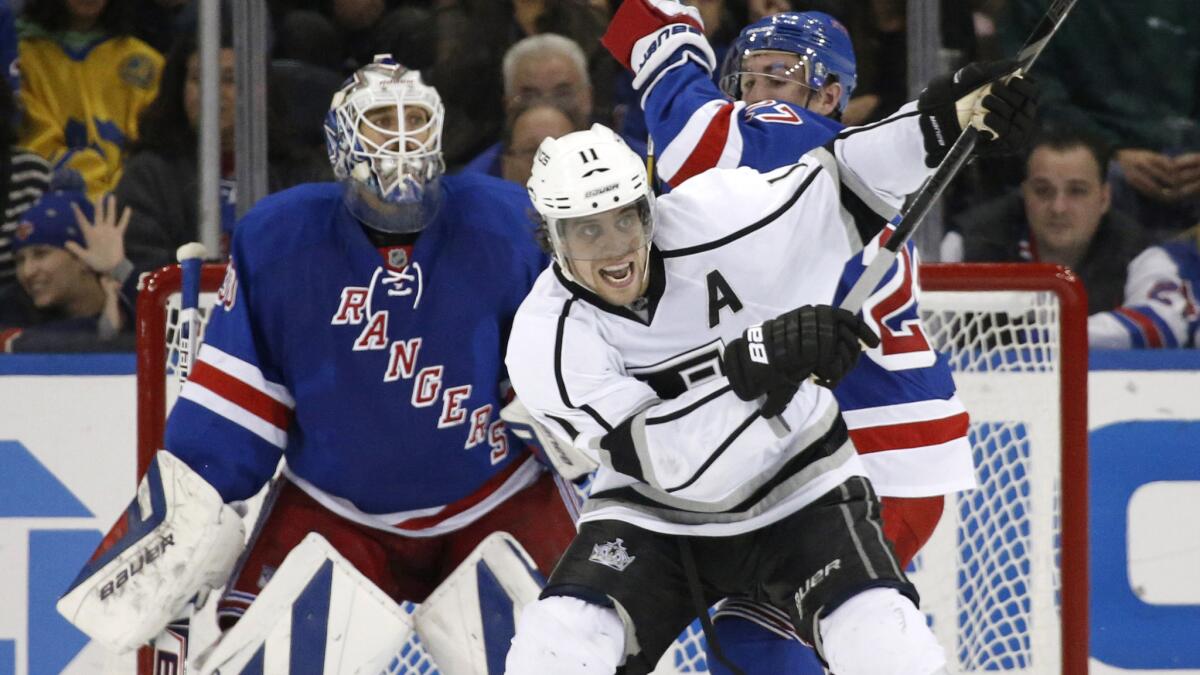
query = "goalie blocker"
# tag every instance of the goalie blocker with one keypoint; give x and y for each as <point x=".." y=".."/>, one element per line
<point x="176" y="541"/>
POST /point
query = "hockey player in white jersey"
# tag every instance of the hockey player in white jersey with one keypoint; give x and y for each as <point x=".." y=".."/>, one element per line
<point x="680" y="366"/>
<point x="784" y="82"/>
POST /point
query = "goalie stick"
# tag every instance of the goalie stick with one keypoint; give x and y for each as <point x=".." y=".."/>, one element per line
<point x="954" y="161"/>
<point x="191" y="258"/>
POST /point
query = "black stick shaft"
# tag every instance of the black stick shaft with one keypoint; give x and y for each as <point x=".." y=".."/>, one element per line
<point x="952" y="163"/>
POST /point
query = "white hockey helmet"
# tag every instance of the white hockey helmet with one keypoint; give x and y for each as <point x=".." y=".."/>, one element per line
<point x="582" y="174"/>
<point x="384" y="133"/>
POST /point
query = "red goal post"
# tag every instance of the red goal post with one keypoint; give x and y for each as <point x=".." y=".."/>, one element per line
<point x="1004" y="579"/>
<point x="1053" y="306"/>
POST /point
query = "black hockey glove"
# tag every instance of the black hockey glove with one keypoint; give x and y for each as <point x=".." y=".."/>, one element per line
<point x="1005" y="113"/>
<point x="813" y="340"/>
<point x="751" y="380"/>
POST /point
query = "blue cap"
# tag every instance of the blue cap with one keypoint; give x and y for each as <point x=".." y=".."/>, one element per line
<point x="51" y="221"/>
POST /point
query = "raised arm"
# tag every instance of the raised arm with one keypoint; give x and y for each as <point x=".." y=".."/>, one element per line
<point x="694" y="126"/>
<point x="895" y="155"/>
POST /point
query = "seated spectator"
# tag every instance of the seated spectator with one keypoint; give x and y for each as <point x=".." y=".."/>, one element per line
<point x="544" y="67"/>
<point x="525" y="132"/>
<point x="63" y="303"/>
<point x="1160" y="300"/>
<point x="475" y="35"/>
<point x="161" y="180"/>
<point x="27" y="177"/>
<point x="84" y="81"/>
<point x="1061" y="215"/>
<point x="1156" y="168"/>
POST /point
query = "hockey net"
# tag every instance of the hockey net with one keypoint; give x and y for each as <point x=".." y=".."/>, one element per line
<point x="1004" y="578"/>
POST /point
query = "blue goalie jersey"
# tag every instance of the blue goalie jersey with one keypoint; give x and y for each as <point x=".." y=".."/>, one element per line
<point x="378" y="374"/>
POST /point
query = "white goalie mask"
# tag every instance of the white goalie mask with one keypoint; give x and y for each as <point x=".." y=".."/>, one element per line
<point x="576" y="181"/>
<point x="384" y="137"/>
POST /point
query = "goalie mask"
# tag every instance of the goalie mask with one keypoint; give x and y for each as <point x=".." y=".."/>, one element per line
<point x="819" y="42"/>
<point x="384" y="137"/>
<point x="592" y="193"/>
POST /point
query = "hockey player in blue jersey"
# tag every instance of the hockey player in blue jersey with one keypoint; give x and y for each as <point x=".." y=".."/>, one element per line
<point x="786" y="80"/>
<point x="359" y="335"/>
<point x="783" y="86"/>
<point x="1160" y="310"/>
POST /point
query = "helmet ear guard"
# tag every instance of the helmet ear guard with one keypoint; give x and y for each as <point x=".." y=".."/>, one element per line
<point x="817" y="39"/>
<point x="388" y="163"/>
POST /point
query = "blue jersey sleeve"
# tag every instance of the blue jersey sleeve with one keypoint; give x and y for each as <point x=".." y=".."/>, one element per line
<point x="1160" y="309"/>
<point x="696" y="128"/>
<point x="232" y="420"/>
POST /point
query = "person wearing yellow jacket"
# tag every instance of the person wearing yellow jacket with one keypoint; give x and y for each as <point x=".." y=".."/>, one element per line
<point x="84" y="81"/>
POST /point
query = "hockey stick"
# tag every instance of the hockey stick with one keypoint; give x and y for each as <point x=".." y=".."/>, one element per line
<point x="191" y="258"/>
<point x="954" y="161"/>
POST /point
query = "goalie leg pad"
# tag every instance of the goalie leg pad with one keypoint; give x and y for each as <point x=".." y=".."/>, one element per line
<point x="879" y="632"/>
<point x="175" y="541"/>
<point x="567" y="636"/>
<point x="318" y="605"/>
<point x="468" y="621"/>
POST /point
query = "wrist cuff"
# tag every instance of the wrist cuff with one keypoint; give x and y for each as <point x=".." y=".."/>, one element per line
<point x="122" y="271"/>
<point x="655" y="50"/>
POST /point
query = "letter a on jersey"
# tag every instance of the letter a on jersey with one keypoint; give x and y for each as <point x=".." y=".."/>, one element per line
<point x="720" y="295"/>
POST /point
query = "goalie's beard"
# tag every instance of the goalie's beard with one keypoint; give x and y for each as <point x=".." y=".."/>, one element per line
<point x="393" y="217"/>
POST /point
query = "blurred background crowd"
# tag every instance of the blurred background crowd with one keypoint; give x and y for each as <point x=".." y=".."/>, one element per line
<point x="99" y="169"/>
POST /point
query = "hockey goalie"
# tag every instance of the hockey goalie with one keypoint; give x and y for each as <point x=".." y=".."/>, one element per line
<point x="359" y="338"/>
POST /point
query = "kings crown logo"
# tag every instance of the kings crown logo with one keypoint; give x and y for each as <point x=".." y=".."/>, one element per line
<point x="612" y="554"/>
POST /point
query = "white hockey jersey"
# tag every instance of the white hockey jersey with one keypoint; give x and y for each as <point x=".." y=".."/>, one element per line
<point x="679" y="452"/>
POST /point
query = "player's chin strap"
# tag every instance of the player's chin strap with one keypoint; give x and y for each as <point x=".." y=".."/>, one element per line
<point x="693" y="580"/>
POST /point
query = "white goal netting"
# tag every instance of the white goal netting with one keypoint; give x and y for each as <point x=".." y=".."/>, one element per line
<point x="992" y="578"/>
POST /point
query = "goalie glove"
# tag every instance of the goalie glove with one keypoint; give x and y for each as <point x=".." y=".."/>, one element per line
<point x="814" y="340"/>
<point x="645" y="34"/>
<point x="570" y="462"/>
<point x="988" y="96"/>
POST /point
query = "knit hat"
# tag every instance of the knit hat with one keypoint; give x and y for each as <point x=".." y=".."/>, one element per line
<point x="51" y="221"/>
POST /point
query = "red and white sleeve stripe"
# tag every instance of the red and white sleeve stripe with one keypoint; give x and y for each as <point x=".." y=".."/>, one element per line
<point x="1151" y="335"/>
<point x="915" y="449"/>
<point x="238" y="391"/>
<point x="711" y="137"/>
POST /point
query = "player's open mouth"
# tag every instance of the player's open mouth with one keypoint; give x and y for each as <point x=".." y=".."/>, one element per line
<point x="618" y="275"/>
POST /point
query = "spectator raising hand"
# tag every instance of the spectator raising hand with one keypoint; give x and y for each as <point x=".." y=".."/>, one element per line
<point x="70" y="265"/>
<point x="104" y="238"/>
<point x="112" y="316"/>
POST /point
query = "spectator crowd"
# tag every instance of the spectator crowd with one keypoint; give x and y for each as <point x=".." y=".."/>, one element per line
<point x="102" y="107"/>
